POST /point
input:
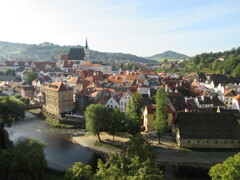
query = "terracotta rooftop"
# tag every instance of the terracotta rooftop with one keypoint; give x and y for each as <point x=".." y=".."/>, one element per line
<point x="57" y="86"/>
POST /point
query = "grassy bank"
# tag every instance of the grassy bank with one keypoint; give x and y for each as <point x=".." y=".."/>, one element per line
<point x="55" y="123"/>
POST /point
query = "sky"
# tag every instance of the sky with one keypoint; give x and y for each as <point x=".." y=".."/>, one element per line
<point x="140" y="27"/>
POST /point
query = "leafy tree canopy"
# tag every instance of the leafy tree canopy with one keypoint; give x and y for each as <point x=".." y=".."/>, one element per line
<point x="30" y="76"/>
<point x="96" y="118"/>
<point x="228" y="170"/>
<point x="25" y="161"/>
<point x="79" y="171"/>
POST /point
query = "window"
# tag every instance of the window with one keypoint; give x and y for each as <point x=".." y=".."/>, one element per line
<point x="111" y="106"/>
<point x="232" y="142"/>
<point x="225" y="142"/>
<point x="216" y="142"/>
<point x="115" y="106"/>
<point x="207" y="142"/>
<point x="121" y="103"/>
<point x="198" y="142"/>
<point x="188" y="141"/>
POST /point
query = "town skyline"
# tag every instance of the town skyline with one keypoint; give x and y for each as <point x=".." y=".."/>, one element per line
<point x="136" y="27"/>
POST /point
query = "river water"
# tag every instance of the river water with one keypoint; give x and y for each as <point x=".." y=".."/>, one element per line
<point x="61" y="153"/>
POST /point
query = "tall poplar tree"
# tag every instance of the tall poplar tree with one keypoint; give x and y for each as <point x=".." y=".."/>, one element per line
<point x="160" y="123"/>
<point x="134" y="113"/>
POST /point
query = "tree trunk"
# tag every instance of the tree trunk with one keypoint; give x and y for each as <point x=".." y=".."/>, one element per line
<point x="159" y="139"/>
<point x="113" y="137"/>
<point x="98" y="135"/>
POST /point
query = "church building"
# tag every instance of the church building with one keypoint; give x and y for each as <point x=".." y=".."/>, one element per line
<point x="74" y="58"/>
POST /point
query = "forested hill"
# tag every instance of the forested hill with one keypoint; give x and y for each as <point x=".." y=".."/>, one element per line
<point x="228" y="61"/>
<point x="50" y="52"/>
<point x="170" y="55"/>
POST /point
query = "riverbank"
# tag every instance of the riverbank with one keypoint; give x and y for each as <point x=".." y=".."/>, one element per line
<point x="107" y="146"/>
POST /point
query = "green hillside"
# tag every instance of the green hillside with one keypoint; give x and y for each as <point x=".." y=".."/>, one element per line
<point x="209" y="62"/>
<point x="171" y="55"/>
<point x="50" y="52"/>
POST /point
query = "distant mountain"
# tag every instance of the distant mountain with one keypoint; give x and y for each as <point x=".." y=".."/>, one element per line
<point x="50" y="52"/>
<point x="169" y="55"/>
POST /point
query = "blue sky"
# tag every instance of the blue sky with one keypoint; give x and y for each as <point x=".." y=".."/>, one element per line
<point x="141" y="27"/>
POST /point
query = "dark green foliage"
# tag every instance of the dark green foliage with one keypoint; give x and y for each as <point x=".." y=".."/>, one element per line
<point x="116" y="122"/>
<point x="160" y="123"/>
<point x="136" y="162"/>
<point x="10" y="72"/>
<point x="236" y="71"/>
<point x="138" y="146"/>
<point x="209" y="61"/>
<point x="134" y="113"/>
<point x="79" y="171"/>
<point x="10" y="111"/>
<point x="228" y="170"/>
<point x="25" y="161"/>
<point x="96" y="119"/>
<point x="30" y="76"/>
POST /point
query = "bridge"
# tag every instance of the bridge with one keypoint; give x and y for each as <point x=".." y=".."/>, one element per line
<point x="33" y="106"/>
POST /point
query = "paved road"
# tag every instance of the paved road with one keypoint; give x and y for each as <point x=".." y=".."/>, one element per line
<point x="191" y="157"/>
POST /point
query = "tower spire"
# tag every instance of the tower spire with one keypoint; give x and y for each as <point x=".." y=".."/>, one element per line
<point x="86" y="46"/>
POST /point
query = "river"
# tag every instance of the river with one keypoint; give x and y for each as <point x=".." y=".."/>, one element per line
<point x="61" y="153"/>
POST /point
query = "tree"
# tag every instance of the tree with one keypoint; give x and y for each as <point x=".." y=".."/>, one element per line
<point x="236" y="71"/>
<point x="30" y="76"/>
<point x="25" y="161"/>
<point x="96" y="119"/>
<point x="10" y="110"/>
<point x="228" y="170"/>
<point x="138" y="146"/>
<point x="79" y="171"/>
<point x="8" y="71"/>
<point x="134" y="113"/>
<point x="165" y="60"/>
<point x="136" y="162"/>
<point x="115" y="123"/>
<point x="160" y="123"/>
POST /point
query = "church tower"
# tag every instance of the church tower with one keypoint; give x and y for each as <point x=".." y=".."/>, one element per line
<point x="86" y="51"/>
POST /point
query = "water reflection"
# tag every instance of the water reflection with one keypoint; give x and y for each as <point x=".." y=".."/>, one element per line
<point x="60" y="152"/>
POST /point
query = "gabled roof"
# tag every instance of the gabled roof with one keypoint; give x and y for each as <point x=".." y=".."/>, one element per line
<point x="57" y="86"/>
<point x="64" y="57"/>
<point x="219" y="78"/>
<point x="76" y="54"/>
<point x="210" y="100"/>
<point x="208" y="125"/>
<point x="230" y="93"/>
<point x="74" y="80"/>
<point x="177" y="100"/>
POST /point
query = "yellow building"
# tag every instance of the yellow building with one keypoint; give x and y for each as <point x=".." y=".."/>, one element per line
<point x="58" y="99"/>
<point x="149" y="117"/>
